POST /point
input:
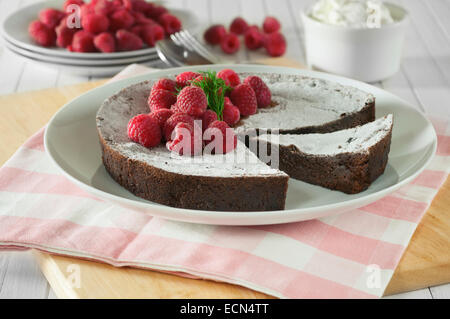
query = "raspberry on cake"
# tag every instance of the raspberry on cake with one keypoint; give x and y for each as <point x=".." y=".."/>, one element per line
<point x="230" y="77"/>
<point x="244" y="98"/>
<point x="161" y="99"/>
<point x="161" y="116"/>
<point x="208" y="117"/>
<point x="231" y="114"/>
<point x="173" y="121"/>
<point x="165" y="84"/>
<point x="186" y="139"/>
<point x="144" y="130"/>
<point x="262" y="91"/>
<point x="184" y="78"/>
<point x="219" y="138"/>
<point x="192" y="101"/>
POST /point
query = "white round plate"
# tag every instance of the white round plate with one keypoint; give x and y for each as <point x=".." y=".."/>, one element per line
<point x="15" y="30"/>
<point x="86" y="70"/>
<point x="71" y="141"/>
<point x="80" y="62"/>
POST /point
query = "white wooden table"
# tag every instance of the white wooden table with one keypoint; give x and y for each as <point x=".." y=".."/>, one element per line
<point x="423" y="80"/>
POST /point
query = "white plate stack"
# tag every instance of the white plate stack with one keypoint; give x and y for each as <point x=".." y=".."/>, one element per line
<point x="17" y="40"/>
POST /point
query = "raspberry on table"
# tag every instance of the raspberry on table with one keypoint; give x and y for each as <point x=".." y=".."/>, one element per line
<point x="42" y="34"/>
<point x="214" y="34"/>
<point x="165" y="84"/>
<point x="262" y="91"/>
<point x="51" y="17"/>
<point x="192" y="100"/>
<point x="161" y="99"/>
<point x="208" y="117"/>
<point x="226" y="142"/>
<point x="128" y="41"/>
<point x="230" y="77"/>
<point x="231" y="114"/>
<point x="186" y="139"/>
<point x="271" y="24"/>
<point x="161" y="116"/>
<point x="173" y="121"/>
<point x="275" y="44"/>
<point x="184" y="78"/>
<point x="230" y="43"/>
<point x="83" y="42"/>
<point x="170" y="23"/>
<point x="105" y="42"/>
<point x="244" y="98"/>
<point x="95" y="23"/>
<point x="253" y="39"/>
<point x="121" y="19"/>
<point x="144" y="130"/>
<point x="238" y="26"/>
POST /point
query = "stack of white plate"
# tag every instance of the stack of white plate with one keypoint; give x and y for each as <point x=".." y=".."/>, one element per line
<point x="17" y="40"/>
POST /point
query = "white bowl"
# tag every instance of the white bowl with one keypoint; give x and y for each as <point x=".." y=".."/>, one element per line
<point x="364" y="54"/>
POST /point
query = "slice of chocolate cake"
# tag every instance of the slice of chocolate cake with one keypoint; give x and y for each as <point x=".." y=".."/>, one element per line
<point x="347" y="160"/>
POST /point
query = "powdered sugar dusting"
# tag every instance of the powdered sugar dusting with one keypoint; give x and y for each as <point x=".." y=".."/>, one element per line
<point x="354" y="140"/>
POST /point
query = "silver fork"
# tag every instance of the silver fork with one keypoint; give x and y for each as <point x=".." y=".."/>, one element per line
<point x="182" y="48"/>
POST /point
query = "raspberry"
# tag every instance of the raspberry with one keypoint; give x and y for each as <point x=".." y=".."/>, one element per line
<point x="104" y="7"/>
<point x="140" y="18"/>
<point x="155" y="12"/>
<point x="230" y="43"/>
<point x="184" y="78"/>
<point x="226" y="142"/>
<point x="262" y="92"/>
<point x="244" y="98"/>
<point x="238" y="26"/>
<point x="208" y="117"/>
<point x="170" y="23"/>
<point x="121" y="19"/>
<point x="51" y="17"/>
<point x="165" y="84"/>
<point x="186" y="140"/>
<point x="275" y="44"/>
<point x="231" y="114"/>
<point x="64" y="34"/>
<point x="42" y="34"/>
<point x="173" y="121"/>
<point x="95" y="23"/>
<point x="83" y="42"/>
<point x="174" y="108"/>
<point x="230" y="77"/>
<point x="128" y="41"/>
<point x="67" y="3"/>
<point x="161" y="116"/>
<point x="105" y="42"/>
<point x="139" y="5"/>
<point x="151" y="33"/>
<point x="144" y="130"/>
<point x="214" y="34"/>
<point x="192" y="100"/>
<point x="253" y="39"/>
<point x="161" y="99"/>
<point x="271" y="24"/>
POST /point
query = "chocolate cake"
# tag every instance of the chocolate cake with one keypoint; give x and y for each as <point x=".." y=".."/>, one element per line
<point x="347" y="160"/>
<point x="215" y="182"/>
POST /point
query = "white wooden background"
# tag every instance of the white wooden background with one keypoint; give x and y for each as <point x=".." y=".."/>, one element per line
<point x="423" y="80"/>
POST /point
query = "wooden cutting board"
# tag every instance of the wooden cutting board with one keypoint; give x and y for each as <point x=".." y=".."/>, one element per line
<point x="425" y="263"/>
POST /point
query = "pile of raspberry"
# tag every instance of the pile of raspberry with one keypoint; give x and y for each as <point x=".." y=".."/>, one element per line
<point x="104" y="25"/>
<point x="179" y="113"/>
<point x="268" y="37"/>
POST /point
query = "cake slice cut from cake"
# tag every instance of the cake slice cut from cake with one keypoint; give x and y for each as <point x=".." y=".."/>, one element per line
<point x="347" y="160"/>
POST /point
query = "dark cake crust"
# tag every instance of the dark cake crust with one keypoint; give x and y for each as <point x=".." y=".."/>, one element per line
<point x="350" y="173"/>
<point x="195" y="192"/>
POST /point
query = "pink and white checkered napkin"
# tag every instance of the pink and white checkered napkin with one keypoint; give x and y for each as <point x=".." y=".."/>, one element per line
<point x="352" y="255"/>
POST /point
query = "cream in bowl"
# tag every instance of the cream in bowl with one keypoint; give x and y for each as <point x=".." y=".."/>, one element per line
<point x="361" y="39"/>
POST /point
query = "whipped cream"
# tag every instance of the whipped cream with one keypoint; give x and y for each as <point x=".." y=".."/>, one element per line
<point x="352" y="13"/>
